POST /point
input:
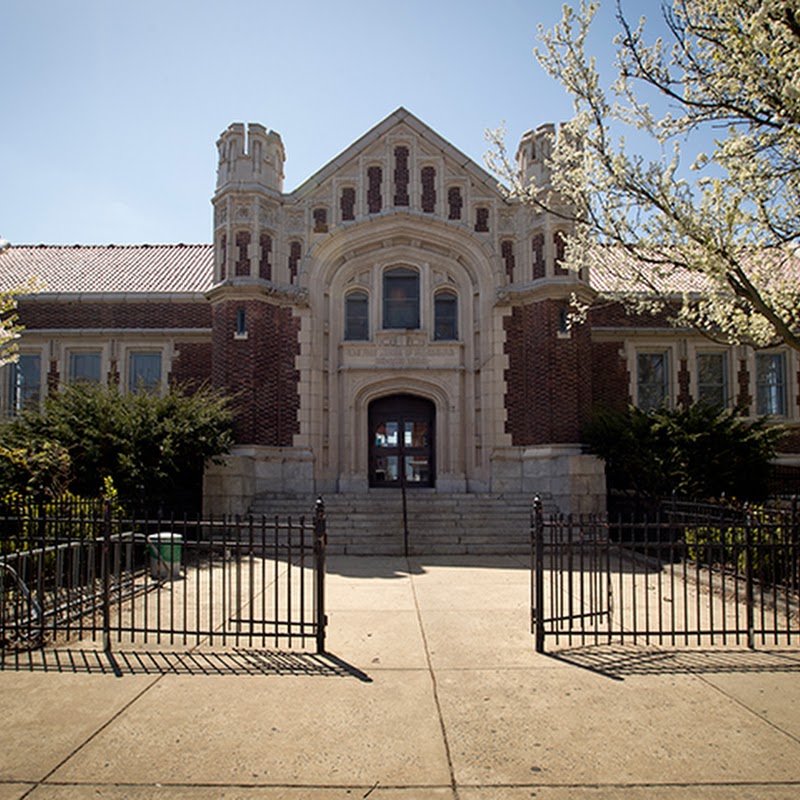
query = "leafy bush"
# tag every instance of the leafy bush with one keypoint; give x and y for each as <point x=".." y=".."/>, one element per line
<point x="154" y="447"/>
<point x="773" y="556"/>
<point x="697" y="452"/>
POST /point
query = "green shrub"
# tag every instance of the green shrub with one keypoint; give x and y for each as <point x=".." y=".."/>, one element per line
<point x="698" y="452"/>
<point x="153" y="446"/>
<point x="774" y="559"/>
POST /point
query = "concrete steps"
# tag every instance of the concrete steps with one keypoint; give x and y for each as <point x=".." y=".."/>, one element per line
<point x="438" y="524"/>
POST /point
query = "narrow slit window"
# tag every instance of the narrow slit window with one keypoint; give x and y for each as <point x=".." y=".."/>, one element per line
<point x="428" y="177"/>
<point x="454" y="203"/>
<point x="295" y="252"/>
<point x="264" y="264"/>
<point x="401" y="176"/>
<point x="374" y="182"/>
<point x="241" y="322"/>
<point x="347" y="204"/>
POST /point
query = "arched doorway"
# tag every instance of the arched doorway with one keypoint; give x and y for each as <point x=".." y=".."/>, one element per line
<point x="401" y="441"/>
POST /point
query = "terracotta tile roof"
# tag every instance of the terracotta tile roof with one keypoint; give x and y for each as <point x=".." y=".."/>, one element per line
<point x="612" y="267"/>
<point x="174" y="268"/>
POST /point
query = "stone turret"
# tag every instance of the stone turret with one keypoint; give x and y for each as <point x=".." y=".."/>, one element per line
<point x="533" y="153"/>
<point x="250" y="159"/>
<point x="247" y="202"/>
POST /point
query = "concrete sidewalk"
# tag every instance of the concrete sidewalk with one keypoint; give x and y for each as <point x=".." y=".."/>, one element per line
<point x="432" y="690"/>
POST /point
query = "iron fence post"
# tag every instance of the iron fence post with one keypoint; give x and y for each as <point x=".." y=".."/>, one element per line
<point x="794" y="541"/>
<point x="106" y="566"/>
<point x="537" y="590"/>
<point x="320" y="543"/>
<point x="748" y="580"/>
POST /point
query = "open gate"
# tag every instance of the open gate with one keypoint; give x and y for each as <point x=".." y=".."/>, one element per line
<point x="688" y="576"/>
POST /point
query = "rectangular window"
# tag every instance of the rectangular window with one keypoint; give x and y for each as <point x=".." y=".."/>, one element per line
<point x="445" y="316"/>
<point x="356" y="316"/>
<point x="26" y="383"/>
<point x="144" y="372"/>
<point x="652" y="380"/>
<point x="84" y="365"/>
<point x="401" y="298"/>
<point x="771" y="384"/>
<point x="712" y="379"/>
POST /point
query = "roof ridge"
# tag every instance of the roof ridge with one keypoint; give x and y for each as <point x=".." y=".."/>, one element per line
<point x="109" y="246"/>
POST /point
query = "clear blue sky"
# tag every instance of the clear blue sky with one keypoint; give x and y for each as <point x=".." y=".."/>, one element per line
<point x="111" y="108"/>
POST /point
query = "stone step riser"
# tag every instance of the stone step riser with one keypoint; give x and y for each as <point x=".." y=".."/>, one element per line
<point x="439" y="524"/>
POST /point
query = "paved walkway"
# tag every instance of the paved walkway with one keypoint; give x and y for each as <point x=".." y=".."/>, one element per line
<point x="432" y="691"/>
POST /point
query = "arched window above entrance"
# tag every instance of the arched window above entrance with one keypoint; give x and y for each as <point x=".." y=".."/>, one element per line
<point x="356" y="316"/>
<point x="401" y="298"/>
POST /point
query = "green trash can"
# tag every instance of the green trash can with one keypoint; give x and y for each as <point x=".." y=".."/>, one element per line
<point x="165" y="550"/>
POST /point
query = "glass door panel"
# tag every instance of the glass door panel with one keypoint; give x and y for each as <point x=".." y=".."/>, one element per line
<point x="401" y="448"/>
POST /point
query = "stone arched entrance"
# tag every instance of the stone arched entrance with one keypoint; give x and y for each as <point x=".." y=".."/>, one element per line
<point x="401" y="442"/>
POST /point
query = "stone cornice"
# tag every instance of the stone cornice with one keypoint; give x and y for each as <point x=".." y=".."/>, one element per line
<point x="559" y="288"/>
<point x="245" y="288"/>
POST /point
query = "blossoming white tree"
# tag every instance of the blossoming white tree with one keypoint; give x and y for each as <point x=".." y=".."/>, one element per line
<point x="722" y="249"/>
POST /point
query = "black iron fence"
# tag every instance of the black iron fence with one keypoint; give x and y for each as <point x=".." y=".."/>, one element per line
<point x="71" y="573"/>
<point x="688" y="575"/>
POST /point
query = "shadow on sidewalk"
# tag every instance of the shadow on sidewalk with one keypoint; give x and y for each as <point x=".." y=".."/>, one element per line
<point x="238" y="661"/>
<point x="618" y="662"/>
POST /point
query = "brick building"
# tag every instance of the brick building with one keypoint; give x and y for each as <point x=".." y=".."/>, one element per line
<point x="393" y="317"/>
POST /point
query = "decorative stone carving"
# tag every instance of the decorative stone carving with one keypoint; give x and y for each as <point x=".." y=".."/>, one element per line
<point x="505" y="221"/>
<point x="295" y="221"/>
<point x="267" y="215"/>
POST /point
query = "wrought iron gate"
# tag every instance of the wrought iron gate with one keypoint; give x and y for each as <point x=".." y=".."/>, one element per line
<point x="688" y="576"/>
<point x="239" y="581"/>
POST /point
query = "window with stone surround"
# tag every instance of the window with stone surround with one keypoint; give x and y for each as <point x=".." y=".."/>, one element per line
<point x="507" y="254"/>
<point x="537" y="247"/>
<point x="482" y="219"/>
<point x="320" y="220"/>
<point x="223" y="256"/>
<point x="24" y="383"/>
<point x="771" y="384"/>
<point x="401" y="176"/>
<point x="652" y="379"/>
<point x="712" y="378"/>
<point x="356" y="316"/>
<point x="428" y="180"/>
<point x="241" y="323"/>
<point x="560" y="253"/>
<point x="401" y="298"/>
<point x="264" y="263"/>
<point x="347" y="204"/>
<point x="455" y="202"/>
<point x="242" y="258"/>
<point x="295" y="253"/>
<point x="144" y="371"/>
<point x="374" y="183"/>
<point x="84" y="365"/>
<point x="445" y="316"/>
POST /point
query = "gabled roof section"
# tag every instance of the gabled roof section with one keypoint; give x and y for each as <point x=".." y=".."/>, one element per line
<point x="398" y="117"/>
<point x="91" y="269"/>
